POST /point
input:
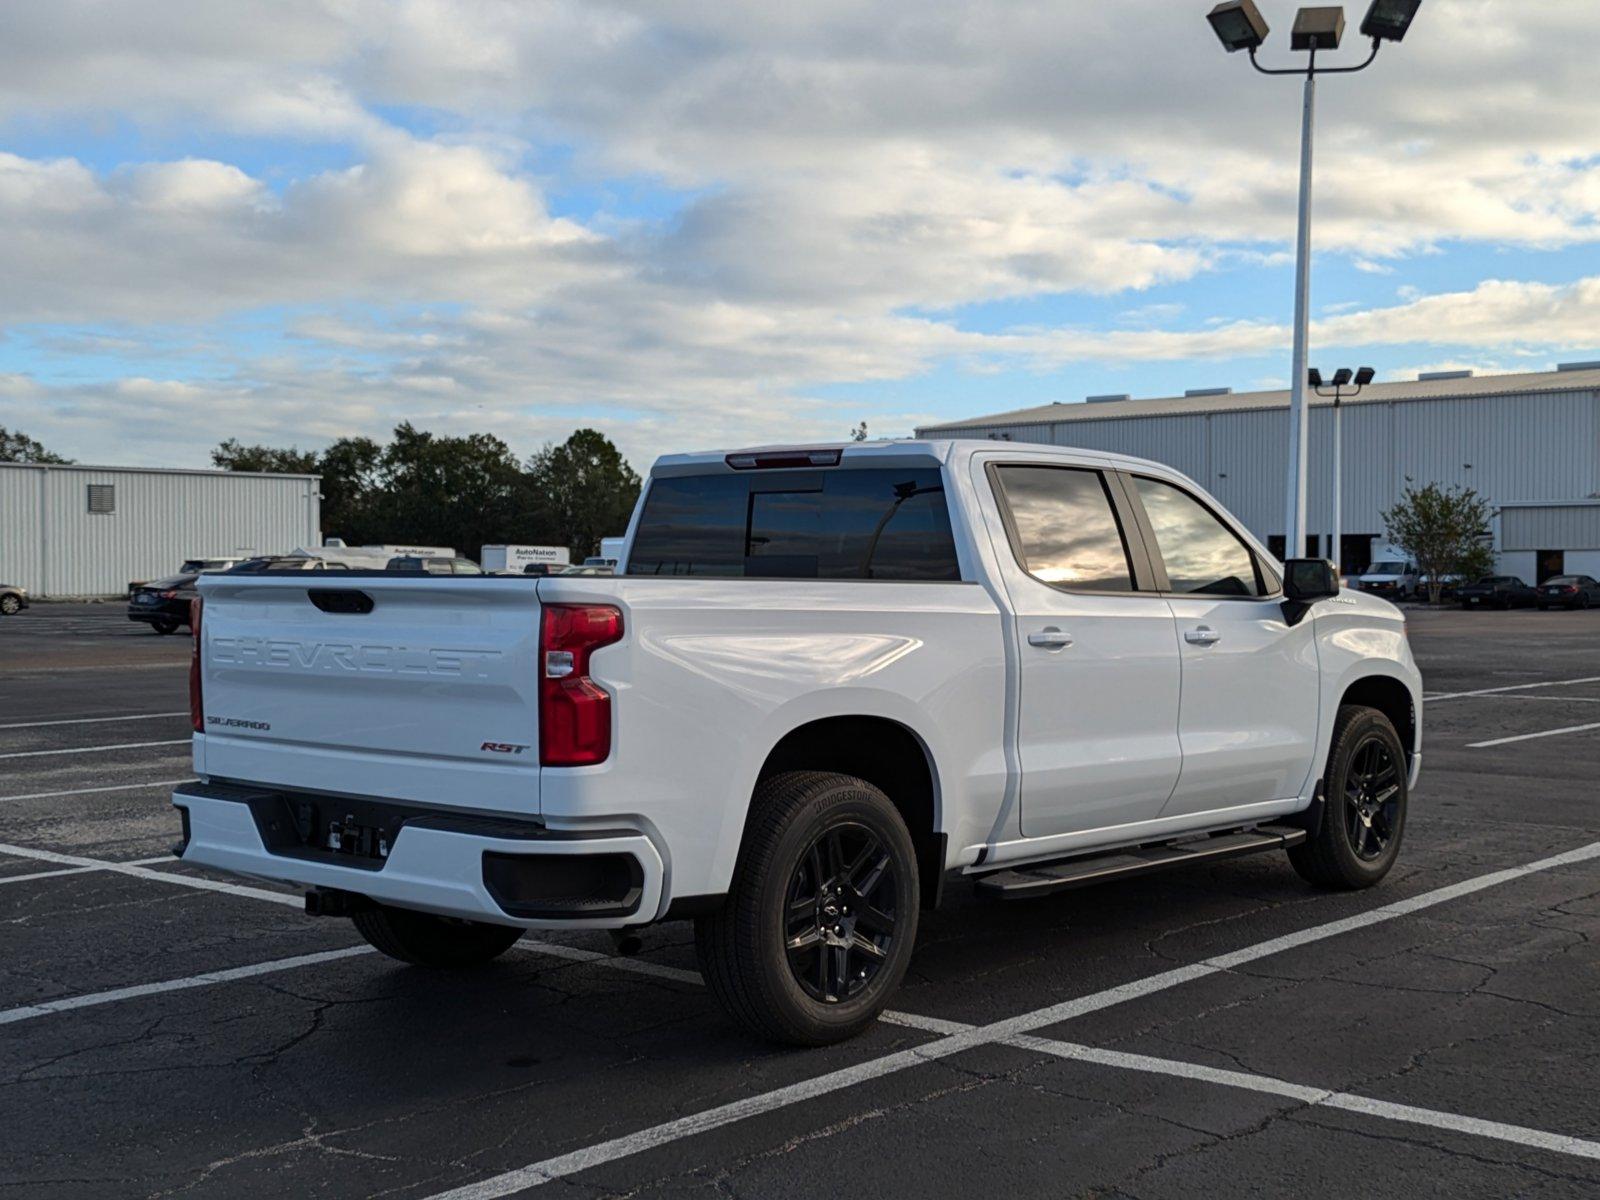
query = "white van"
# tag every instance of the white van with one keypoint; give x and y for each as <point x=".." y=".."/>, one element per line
<point x="515" y="560"/>
<point x="1392" y="575"/>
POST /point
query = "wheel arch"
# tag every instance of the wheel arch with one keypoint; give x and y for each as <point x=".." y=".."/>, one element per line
<point x="887" y="754"/>
<point x="1393" y="699"/>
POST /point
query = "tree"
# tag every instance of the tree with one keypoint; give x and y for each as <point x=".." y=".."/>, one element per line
<point x="1442" y="530"/>
<point x="859" y="433"/>
<point x="349" y="470"/>
<point x="231" y="455"/>
<point x="464" y="492"/>
<point x="18" y="447"/>
<point x="583" y="488"/>
<point x="456" y="491"/>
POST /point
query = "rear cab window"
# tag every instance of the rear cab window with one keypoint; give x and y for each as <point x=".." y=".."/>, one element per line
<point x="877" y="523"/>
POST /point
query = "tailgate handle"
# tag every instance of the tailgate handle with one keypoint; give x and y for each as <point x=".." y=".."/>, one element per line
<point x="330" y="600"/>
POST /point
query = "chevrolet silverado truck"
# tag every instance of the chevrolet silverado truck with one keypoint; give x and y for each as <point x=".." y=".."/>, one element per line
<point x="824" y="683"/>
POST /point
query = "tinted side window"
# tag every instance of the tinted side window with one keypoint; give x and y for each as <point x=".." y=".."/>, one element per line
<point x="1066" y="529"/>
<point x="865" y="523"/>
<point x="1202" y="555"/>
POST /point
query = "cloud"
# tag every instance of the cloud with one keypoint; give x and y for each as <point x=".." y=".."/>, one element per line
<point x="844" y="181"/>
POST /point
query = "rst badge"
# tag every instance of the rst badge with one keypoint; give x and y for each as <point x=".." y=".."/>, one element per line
<point x="503" y="747"/>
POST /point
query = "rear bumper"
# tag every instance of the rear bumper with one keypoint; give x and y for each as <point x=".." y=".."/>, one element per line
<point x="434" y="865"/>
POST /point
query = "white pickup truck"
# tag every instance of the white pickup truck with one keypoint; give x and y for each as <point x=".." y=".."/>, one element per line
<point x="823" y="682"/>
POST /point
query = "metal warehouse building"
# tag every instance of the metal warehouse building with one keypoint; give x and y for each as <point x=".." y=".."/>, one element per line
<point x="88" y="531"/>
<point x="1529" y="444"/>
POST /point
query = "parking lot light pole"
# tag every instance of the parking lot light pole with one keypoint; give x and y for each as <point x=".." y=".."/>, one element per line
<point x="1240" y="26"/>
<point x="1341" y="377"/>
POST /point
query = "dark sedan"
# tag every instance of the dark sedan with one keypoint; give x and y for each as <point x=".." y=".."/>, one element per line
<point x="1496" y="591"/>
<point x="164" y="604"/>
<point x="1569" y="591"/>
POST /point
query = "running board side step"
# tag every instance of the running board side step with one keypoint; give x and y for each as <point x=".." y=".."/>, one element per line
<point x="1040" y="879"/>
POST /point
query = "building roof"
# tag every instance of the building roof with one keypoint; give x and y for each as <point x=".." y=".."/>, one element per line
<point x="1375" y="393"/>
<point x="158" y="470"/>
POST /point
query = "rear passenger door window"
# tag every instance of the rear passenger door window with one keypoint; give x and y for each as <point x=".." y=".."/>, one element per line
<point x="1064" y="528"/>
<point x="1202" y="555"/>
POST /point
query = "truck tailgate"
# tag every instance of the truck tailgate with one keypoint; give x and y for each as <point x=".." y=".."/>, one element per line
<point x="410" y="688"/>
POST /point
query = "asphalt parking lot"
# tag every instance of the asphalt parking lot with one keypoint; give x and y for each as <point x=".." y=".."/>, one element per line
<point x="1226" y="1031"/>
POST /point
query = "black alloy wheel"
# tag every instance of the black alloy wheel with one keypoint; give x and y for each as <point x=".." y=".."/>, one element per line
<point x="839" y="919"/>
<point x="1354" y="839"/>
<point x="1372" y="799"/>
<point x="10" y="605"/>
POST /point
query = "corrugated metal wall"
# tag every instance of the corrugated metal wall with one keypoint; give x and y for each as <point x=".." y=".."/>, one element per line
<point x="53" y="545"/>
<point x="1551" y="527"/>
<point x="1543" y="446"/>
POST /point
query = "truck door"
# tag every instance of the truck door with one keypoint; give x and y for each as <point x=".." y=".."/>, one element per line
<point x="1251" y="686"/>
<point x="1098" y="665"/>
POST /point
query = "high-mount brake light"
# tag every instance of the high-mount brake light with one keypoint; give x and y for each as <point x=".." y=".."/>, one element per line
<point x="771" y="459"/>
<point x="197" y="711"/>
<point x="574" y="710"/>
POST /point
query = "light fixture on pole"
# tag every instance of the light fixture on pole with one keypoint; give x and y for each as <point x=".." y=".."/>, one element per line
<point x="1341" y="379"/>
<point x="1239" y="25"/>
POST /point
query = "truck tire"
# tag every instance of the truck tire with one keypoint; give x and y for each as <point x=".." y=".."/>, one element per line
<point x="1365" y="794"/>
<point x="818" y="926"/>
<point x="164" y="625"/>
<point x="424" y="940"/>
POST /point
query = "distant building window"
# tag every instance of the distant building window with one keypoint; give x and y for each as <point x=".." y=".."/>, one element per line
<point x="102" y="497"/>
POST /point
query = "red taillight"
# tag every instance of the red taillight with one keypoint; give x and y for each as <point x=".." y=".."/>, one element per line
<point x="574" y="711"/>
<point x="197" y="713"/>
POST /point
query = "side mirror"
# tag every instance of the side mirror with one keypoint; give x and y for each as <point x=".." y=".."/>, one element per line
<point x="1307" y="580"/>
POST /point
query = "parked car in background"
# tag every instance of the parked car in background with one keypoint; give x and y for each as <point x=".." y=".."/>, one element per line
<point x="434" y="566"/>
<point x="1569" y="591"/>
<point x="193" y="566"/>
<point x="1496" y="591"/>
<point x="163" y="604"/>
<point x="287" y="562"/>
<point x="1391" y="578"/>
<point x="13" y="599"/>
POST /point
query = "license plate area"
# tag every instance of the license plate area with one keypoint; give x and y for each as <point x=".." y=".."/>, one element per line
<point x="353" y="833"/>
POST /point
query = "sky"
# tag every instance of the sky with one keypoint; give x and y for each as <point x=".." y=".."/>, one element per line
<point x="700" y="224"/>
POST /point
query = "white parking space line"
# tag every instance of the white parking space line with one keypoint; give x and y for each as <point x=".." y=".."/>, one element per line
<point x="1528" y="737"/>
<point x="121" y="787"/>
<point x="1521" y="1135"/>
<point x="29" y="878"/>
<point x="95" y="749"/>
<point x="47" y="1007"/>
<point x="1555" y="699"/>
<point x="950" y="1031"/>
<point x="561" y="1166"/>
<point x="189" y="881"/>
<point x="94" y="720"/>
<point x="1515" y="687"/>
